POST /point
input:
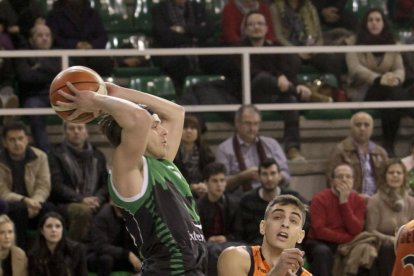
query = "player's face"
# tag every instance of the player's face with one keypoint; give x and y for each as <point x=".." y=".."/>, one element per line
<point x="362" y="127"/>
<point x="395" y="176"/>
<point x="189" y="135"/>
<point x="282" y="228"/>
<point x="16" y="142"/>
<point x="269" y="177"/>
<point x="256" y="27"/>
<point x="248" y="126"/>
<point x="52" y="230"/>
<point x="216" y="185"/>
<point x="41" y="37"/>
<point x="6" y="235"/>
<point x="76" y="134"/>
<point x="157" y="140"/>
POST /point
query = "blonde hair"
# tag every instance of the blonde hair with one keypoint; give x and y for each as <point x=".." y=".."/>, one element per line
<point x="5" y="219"/>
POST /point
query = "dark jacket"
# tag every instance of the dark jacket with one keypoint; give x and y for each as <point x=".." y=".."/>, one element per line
<point x="196" y="32"/>
<point x="108" y="234"/>
<point x="68" y="260"/>
<point x="228" y="209"/>
<point x="69" y="27"/>
<point x="66" y="177"/>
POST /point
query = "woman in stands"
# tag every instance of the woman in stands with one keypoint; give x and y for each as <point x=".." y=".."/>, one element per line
<point x="53" y="253"/>
<point x="13" y="259"/>
<point x="387" y="211"/>
<point x="377" y="76"/>
<point x="193" y="155"/>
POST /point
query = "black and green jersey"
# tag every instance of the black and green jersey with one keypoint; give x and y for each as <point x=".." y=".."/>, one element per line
<point x="163" y="221"/>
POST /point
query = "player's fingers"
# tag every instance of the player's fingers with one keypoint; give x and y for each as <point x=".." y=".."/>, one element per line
<point x="66" y="104"/>
<point x="74" y="115"/>
<point x="72" y="87"/>
<point x="66" y="95"/>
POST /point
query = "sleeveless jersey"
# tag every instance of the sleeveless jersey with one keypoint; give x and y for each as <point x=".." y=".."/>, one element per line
<point x="404" y="253"/>
<point x="163" y="221"/>
<point x="259" y="266"/>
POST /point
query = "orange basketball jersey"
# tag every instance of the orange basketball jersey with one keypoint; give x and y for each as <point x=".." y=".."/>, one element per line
<point x="404" y="251"/>
<point x="259" y="266"/>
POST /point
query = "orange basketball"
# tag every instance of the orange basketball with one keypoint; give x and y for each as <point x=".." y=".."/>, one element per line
<point x="83" y="78"/>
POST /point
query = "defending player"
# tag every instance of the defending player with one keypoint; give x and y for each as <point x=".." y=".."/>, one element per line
<point x="277" y="256"/>
<point x="159" y="209"/>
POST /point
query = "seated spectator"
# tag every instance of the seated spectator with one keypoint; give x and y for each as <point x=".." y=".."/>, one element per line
<point x="273" y="80"/>
<point x="337" y="216"/>
<point x="193" y="155"/>
<point x="9" y="17"/>
<point x="296" y="23"/>
<point x="29" y="13"/>
<point x="79" y="176"/>
<point x="34" y="75"/>
<point x="180" y="24"/>
<point x="24" y="178"/>
<point x="242" y="153"/>
<point x="334" y="14"/>
<point x="366" y="158"/>
<point x="387" y="211"/>
<point x="408" y="162"/>
<point x="233" y="17"/>
<point x="76" y="25"/>
<point x="53" y="253"/>
<point x="378" y="76"/>
<point x="111" y="243"/>
<point x="13" y="259"/>
<point x="217" y="214"/>
<point x="282" y="229"/>
<point x="253" y="203"/>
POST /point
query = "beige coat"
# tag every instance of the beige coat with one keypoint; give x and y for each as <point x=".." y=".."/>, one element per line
<point x="18" y="262"/>
<point x="36" y="176"/>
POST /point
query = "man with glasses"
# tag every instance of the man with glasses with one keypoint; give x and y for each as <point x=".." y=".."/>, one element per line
<point x="337" y="216"/>
<point x="242" y="153"/>
<point x="366" y="158"/>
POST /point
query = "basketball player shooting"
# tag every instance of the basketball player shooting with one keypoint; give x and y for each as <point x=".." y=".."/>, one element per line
<point x="157" y="204"/>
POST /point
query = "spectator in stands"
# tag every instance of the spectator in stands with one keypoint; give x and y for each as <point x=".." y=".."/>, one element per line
<point x="29" y="13"/>
<point x="217" y="214"/>
<point x="193" y="155"/>
<point x="408" y="162"/>
<point x="274" y="81"/>
<point x="234" y="16"/>
<point x="334" y="14"/>
<point x="13" y="259"/>
<point x="53" y="253"/>
<point x="253" y="203"/>
<point x="296" y="23"/>
<point x="387" y="211"/>
<point x="24" y="178"/>
<point x="75" y="25"/>
<point x="180" y="24"/>
<point x="9" y="17"/>
<point x="34" y="75"/>
<point x="111" y="244"/>
<point x="378" y="76"/>
<point x="337" y="216"/>
<point x="8" y="99"/>
<point x="242" y="152"/>
<point x="79" y="176"/>
<point x="366" y="158"/>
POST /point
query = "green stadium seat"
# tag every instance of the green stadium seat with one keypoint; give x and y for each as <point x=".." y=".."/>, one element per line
<point x="161" y="86"/>
<point x="142" y="19"/>
<point x="194" y="79"/>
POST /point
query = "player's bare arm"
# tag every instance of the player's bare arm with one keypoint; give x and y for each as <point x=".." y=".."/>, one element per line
<point x="171" y="114"/>
<point x="234" y="261"/>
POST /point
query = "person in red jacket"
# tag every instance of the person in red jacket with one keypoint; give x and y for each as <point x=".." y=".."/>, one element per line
<point x="337" y="216"/>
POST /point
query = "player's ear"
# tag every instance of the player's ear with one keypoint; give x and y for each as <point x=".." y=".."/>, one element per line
<point x="262" y="227"/>
<point x="301" y="236"/>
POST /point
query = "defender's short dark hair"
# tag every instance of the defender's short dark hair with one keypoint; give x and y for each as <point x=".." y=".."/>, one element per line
<point x="213" y="169"/>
